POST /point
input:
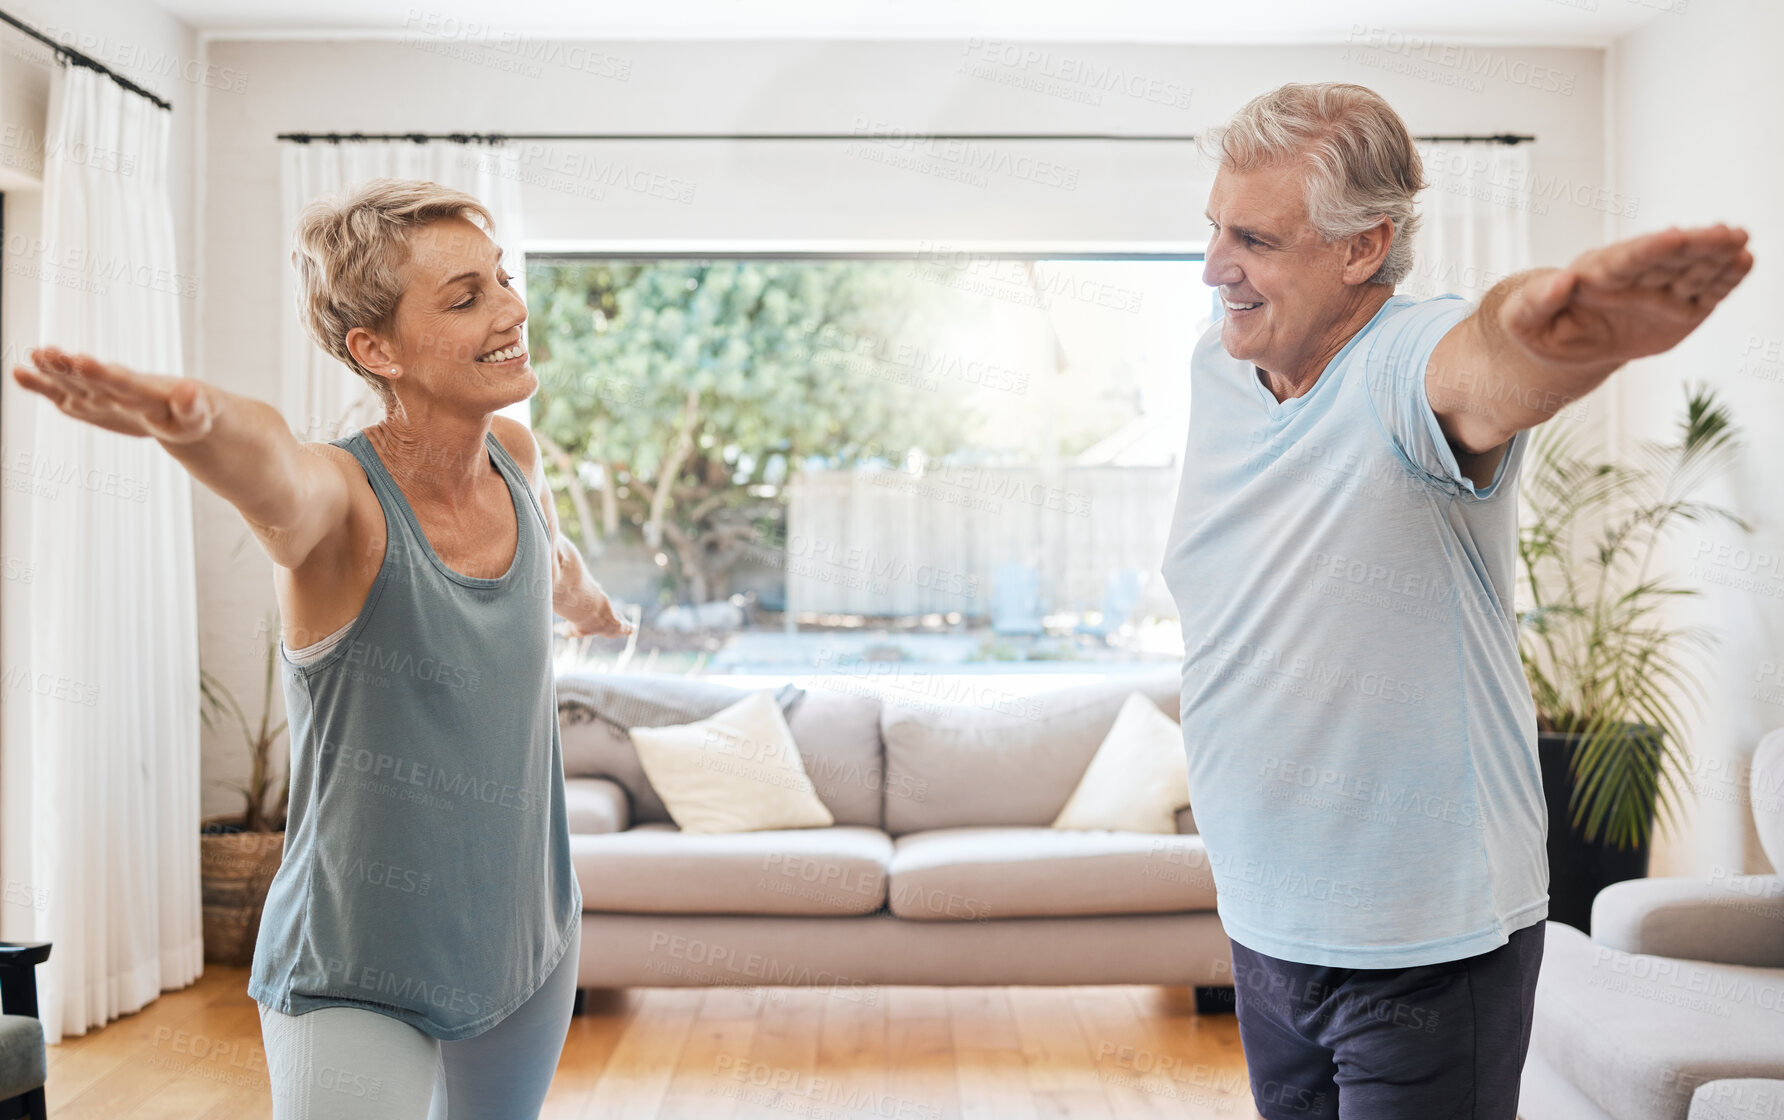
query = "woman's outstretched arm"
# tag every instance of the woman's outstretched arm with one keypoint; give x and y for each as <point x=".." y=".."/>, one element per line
<point x="240" y="447"/>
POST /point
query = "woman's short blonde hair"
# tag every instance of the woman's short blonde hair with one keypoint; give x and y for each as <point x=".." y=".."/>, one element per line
<point x="1360" y="163"/>
<point x="349" y="252"/>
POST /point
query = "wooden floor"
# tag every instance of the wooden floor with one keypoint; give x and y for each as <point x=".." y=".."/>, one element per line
<point x="1108" y="1053"/>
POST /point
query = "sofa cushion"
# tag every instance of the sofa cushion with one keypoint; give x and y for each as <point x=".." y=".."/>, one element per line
<point x="839" y="742"/>
<point x="1637" y="1034"/>
<point x="1008" y="872"/>
<point x="596" y="805"/>
<point x="23" y="1065"/>
<point x="1139" y="778"/>
<point x="959" y="766"/>
<point x="838" y="736"/>
<point x="734" y="771"/>
<point x="658" y="869"/>
<point x="627" y="700"/>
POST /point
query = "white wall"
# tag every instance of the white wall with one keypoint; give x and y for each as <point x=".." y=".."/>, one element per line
<point x="158" y="53"/>
<point x="1698" y="98"/>
<point x="791" y="192"/>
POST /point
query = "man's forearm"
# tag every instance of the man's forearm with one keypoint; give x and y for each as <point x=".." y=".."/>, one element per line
<point x="247" y="458"/>
<point x="1486" y="387"/>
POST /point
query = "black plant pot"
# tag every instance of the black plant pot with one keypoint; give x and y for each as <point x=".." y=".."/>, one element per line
<point x="1578" y="870"/>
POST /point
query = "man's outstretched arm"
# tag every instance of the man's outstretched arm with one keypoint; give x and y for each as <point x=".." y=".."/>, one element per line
<point x="1546" y="337"/>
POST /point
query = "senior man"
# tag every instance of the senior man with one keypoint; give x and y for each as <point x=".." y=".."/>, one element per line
<point x="1360" y="736"/>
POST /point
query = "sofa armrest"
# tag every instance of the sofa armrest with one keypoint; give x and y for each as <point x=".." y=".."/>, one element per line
<point x="1727" y="919"/>
<point x="596" y="805"/>
<point x="1186" y="821"/>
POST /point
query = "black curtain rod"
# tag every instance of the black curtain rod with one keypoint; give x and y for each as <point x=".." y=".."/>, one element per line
<point x="500" y="137"/>
<point x="68" y="54"/>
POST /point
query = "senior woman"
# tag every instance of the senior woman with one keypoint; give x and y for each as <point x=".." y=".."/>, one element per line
<point x="418" y="952"/>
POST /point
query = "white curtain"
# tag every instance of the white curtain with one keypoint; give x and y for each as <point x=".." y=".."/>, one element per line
<point x="113" y="653"/>
<point x="1476" y="218"/>
<point x="322" y="399"/>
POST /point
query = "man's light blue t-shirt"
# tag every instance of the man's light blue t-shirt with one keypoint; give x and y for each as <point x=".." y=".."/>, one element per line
<point x="1360" y="735"/>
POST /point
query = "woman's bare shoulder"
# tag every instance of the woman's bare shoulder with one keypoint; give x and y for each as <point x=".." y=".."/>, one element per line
<point x="518" y="439"/>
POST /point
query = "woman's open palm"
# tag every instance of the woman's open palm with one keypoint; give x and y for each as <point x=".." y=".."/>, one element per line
<point x="118" y="399"/>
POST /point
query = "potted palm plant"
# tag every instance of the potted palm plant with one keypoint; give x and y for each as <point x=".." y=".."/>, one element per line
<point x="240" y="852"/>
<point x="1610" y="673"/>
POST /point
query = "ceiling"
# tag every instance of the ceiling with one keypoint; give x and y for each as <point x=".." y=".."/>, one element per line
<point x="1557" y="22"/>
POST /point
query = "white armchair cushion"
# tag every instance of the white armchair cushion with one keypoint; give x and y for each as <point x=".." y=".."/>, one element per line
<point x="1636" y="1034"/>
<point x="1741" y="1098"/>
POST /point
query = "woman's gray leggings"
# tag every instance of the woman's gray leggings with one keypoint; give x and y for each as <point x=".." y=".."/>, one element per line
<point x="346" y="1063"/>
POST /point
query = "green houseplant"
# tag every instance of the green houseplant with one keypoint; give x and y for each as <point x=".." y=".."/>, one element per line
<point x="1610" y="673"/>
<point x="240" y="853"/>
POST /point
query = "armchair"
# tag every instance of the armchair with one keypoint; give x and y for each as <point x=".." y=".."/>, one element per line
<point x="1671" y="1010"/>
<point x="24" y="1067"/>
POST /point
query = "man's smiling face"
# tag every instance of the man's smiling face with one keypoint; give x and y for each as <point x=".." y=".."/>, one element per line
<point x="1284" y="288"/>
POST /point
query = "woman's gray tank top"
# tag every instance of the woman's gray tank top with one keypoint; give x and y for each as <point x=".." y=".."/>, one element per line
<point x="427" y="868"/>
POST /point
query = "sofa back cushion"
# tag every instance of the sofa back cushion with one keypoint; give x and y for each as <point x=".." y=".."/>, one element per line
<point x="837" y="735"/>
<point x="839" y="741"/>
<point x="1012" y="763"/>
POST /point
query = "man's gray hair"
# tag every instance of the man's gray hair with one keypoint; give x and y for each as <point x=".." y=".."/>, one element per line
<point x="1361" y="164"/>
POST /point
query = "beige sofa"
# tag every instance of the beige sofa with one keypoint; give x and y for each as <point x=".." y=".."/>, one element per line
<point x="940" y="869"/>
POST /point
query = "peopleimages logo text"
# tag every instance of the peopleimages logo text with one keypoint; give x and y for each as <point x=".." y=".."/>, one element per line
<point x="374" y="657"/>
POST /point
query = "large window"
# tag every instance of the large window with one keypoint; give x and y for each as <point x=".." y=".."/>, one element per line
<point x="820" y="465"/>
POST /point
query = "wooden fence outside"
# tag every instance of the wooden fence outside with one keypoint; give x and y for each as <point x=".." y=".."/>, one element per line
<point x="895" y="543"/>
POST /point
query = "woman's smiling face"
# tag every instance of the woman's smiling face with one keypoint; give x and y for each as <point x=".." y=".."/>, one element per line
<point x="459" y="327"/>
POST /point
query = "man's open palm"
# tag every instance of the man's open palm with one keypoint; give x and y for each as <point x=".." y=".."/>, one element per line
<point x="1627" y="300"/>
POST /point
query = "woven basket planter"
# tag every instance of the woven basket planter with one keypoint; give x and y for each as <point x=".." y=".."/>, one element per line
<point x="237" y="868"/>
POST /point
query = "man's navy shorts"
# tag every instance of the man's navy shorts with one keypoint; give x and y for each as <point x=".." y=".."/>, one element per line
<point x="1432" y="1042"/>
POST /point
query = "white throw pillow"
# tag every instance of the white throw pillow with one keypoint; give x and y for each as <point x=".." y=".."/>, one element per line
<point x="1138" y="779"/>
<point x="737" y="770"/>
